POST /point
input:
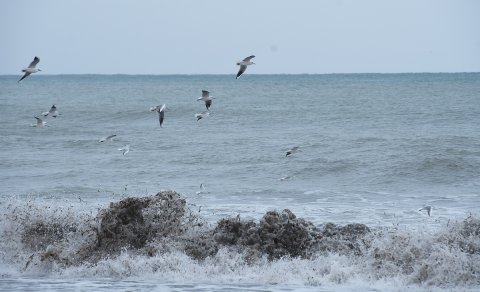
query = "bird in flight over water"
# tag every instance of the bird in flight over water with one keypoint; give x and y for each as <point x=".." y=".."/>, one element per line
<point x="31" y="69"/>
<point x="207" y="98"/>
<point x="243" y="65"/>
<point x="291" y="151"/>
<point x="426" y="208"/>
<point x="52" y="112"/>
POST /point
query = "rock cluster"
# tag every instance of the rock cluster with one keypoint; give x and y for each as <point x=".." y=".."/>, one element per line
<point x="156" y="224"/>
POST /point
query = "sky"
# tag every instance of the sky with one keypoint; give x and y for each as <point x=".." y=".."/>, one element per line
<point x="210" y="36"/>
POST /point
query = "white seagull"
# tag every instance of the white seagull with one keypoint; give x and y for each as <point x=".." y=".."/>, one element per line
<point x="426" y="208"/>
<point x="52" y="112"/>
<point x="40" y="123"/>
<point x="31" y="69"/>
<point x="207" y="98"/>
<point x="243" y="65"/>
<point x="291" y="151"/>
<point x="201" y="115"/>
<point x="107" y="138"/>
<point x="161" y="114"/>
<point x="125" y="149"/>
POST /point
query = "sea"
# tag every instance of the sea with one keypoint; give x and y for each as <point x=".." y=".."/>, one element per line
<point x="343" y="213"/>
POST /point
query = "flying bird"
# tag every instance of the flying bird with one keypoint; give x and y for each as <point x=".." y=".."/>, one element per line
<point x="125" y="149"/>
<point x="201" y="115"/>
<point x="31" y="69"/>
<point x="207" y="98"/>
<point x="52" y="112"/>
<point x="202" y="190"/>
<point x="161" y="114"/>
<point x="107" y="138"/>
<point x="243" y="65"/>
<point x="426" y="208"/>
<point x="40" y="122"/>
<point x="291" y="151"/>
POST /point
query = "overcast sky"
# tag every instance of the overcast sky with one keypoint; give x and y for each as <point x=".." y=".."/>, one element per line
<point x="209" y="36"/>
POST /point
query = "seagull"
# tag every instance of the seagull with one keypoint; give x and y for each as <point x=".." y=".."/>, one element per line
<point x="201" y="115"/>
<point x="207" y="98"/>
<point x="426" y="208"/>
<point x="243" y="65"/>
<point x="31" y="69"/>
<point x="107" y="138"/>
<point x="286" y="178"/>
<point x="52" y="112"/>
<point x="291" y="151"/>
<point x="40" y="123"/>
<point x="202" y="190"/>
<point x="125" y="149"/>
<point x="161" y="113"/>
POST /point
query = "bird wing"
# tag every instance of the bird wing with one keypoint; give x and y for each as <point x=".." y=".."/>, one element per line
<point x="34" y="62"/>
<point x="242" y="69"/>
<point x="205" y="93"/>
<point x="162" y="108"/>
<point x="247" y="59"/>
<point x="208" y="103"/>
<point x="24" y="76"/>
<point x="39" y="121"/>
<point x="161" y="115"/>
<point x="110" y="137"/>
<point x="52" y="109"/>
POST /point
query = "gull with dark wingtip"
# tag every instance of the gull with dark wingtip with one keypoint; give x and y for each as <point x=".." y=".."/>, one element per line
<point x="243" y="65"/>
<point x="201" y="115"/>
<point x="291" y="151"/>
<point x="31" y="69"/>
<point x="52" y="112"/>
<point x="426" y="208"/>
<point x="108" y="138"/>
<point x="207" y="98"/>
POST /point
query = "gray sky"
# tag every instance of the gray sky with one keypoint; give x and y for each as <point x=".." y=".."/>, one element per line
<point x="209" y="36"/>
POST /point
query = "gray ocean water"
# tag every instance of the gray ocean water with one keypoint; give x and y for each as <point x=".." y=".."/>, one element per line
<point x="374" y="149"/>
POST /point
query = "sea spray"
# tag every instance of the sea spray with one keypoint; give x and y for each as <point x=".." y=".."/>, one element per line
<point x="159" y="236"/>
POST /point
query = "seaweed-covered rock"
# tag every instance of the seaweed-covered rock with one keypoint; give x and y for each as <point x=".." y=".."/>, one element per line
<point x="277" y="234"/>
<point x="341" y="239"/>
<point x="282" y="234"/>
<point x="134" y="221"/>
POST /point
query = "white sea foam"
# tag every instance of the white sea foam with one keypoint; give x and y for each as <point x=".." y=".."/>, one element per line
<point x="38" y="239"/>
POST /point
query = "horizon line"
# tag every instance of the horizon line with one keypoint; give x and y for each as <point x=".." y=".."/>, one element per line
<point x="258" y="74"/>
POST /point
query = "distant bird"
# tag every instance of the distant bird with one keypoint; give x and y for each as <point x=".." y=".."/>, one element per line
<point x="243" y="65"/>
<point x="31" y="69"/>
<point x="202" y="190"/>
<point x="291" y="151"/>
<point x="107" y="138"/>
<point x="286" y="178"/>
<point x="52" y="112"/>
<point x="40" y="122"/>
<point x="426" y="208"/>
<point x="207" y="98"/>
<point x="201" y="115"/>
<point x="161" y="114"/>
<point x="125" y="149"/>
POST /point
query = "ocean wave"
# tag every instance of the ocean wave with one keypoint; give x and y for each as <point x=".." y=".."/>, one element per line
<point x="160" y="236"/>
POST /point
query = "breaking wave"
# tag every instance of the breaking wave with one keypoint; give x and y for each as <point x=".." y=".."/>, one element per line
<point x="159" y="236"/>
